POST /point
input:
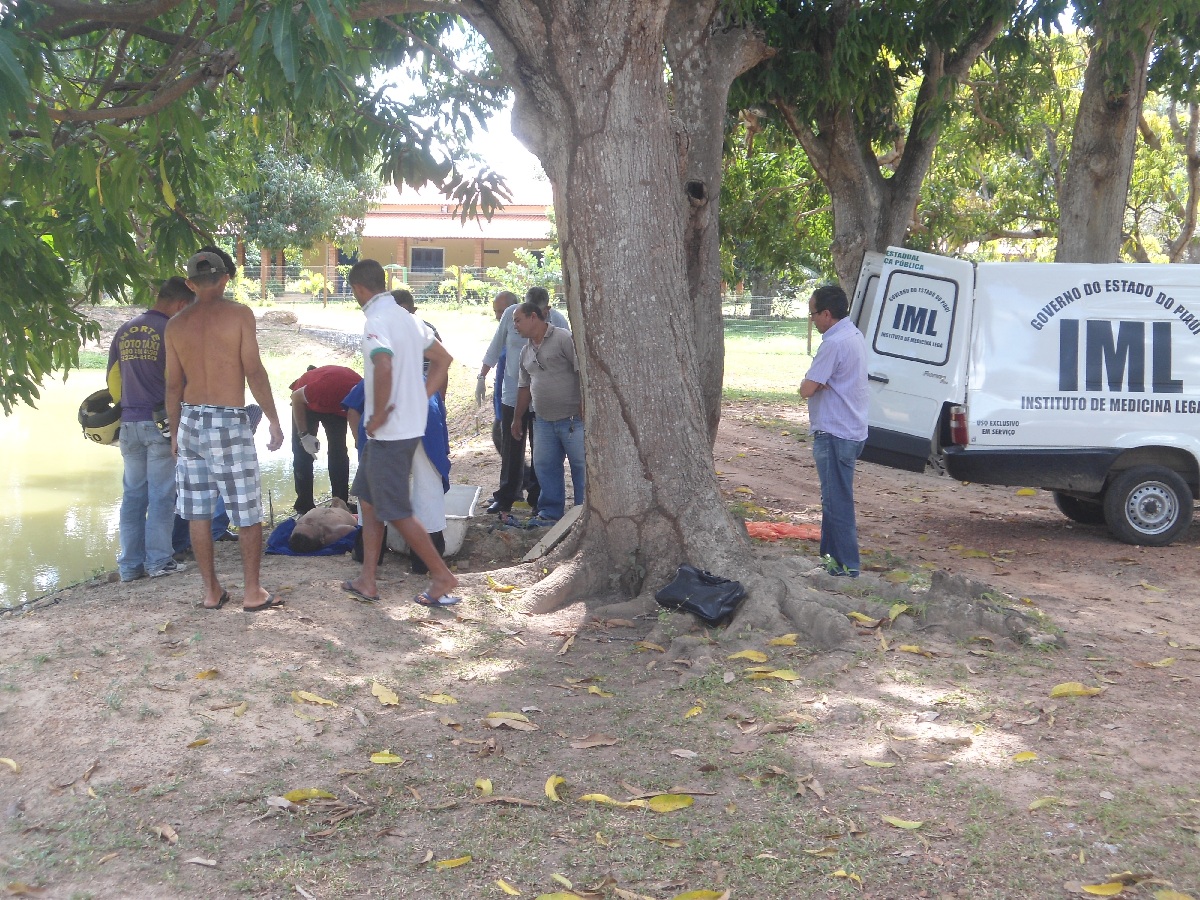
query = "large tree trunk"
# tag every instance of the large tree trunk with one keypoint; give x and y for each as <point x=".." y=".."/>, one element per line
<point x="1096" y="186"/>
<point x="591" y="102"/>
<point x="870" y="211"/>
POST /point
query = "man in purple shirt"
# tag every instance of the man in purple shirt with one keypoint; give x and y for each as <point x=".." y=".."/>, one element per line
<point x="137" y="369"/>
<point x="836" y="389"/>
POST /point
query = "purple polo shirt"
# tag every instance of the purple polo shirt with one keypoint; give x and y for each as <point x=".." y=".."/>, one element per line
<point x="840" y="408"/>
<point x="138" y="349"/>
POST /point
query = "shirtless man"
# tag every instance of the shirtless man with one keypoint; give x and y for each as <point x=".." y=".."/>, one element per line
<point x="321" y="526"/>
<point x="212" y="354"/>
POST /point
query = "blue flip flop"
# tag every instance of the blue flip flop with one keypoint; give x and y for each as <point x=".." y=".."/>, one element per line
<point x="427" y="599"/>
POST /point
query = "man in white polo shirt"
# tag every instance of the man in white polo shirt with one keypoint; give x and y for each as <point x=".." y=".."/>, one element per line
<point x="395" y="344"/>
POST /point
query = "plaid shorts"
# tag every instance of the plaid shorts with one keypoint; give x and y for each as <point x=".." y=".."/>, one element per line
<point x="217" y="458"/>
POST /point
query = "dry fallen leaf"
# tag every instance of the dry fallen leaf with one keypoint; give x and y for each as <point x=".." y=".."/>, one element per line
<point x="592" y="689"/>
<point x="501" y="588"/>
<point x="444" y="699"/>
<point x="199" y="742"/>
<point x="665" y="803"/>
<point x="902" y="823"/>
<point x="673" y="843"/>
<point x="300" y="795"/>
<point x="784" y="640"/>
<point x="12" y="764"/>
<point x="1024" y="756"/>
<point x="386" y="695"/>
<point x="507" y="888"/>
<point x="207" y="674"/>
<point x="386" y="758"/>
<point x="167" y="833"/>
<point x="201" y="861"/>
<point x="649" y="645"/>
<point x="694" y="711"/>
<point x="609" y="801"/>
<point x="1108" y="889"/>
<point x="552" y="785"/>
<point x="484" y="785"/>
<point x="452" y="863"/>
<point x="1073" y="689"/>
<point x="240" y="709"/>
<point x="685" y="754"/>
<point x="306" y="697"/>
<point x="753" y="655"/>
<point x="593" y="740"/>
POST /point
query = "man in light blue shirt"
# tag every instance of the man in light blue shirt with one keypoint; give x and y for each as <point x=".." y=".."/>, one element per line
<point x="512" y="450"/>
<point x="836" y="389"/>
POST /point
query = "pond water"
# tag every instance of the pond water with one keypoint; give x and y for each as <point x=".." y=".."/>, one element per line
<point x="60" y="498"/>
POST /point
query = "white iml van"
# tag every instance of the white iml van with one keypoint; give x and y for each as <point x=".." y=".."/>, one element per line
<point x="1080" y="379"/>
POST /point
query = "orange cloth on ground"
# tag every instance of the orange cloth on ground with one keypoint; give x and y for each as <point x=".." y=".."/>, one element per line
<point x="773" y="531"/>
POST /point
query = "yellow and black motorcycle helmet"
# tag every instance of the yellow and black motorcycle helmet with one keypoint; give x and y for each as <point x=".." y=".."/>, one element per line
<point x="100" y="418"/>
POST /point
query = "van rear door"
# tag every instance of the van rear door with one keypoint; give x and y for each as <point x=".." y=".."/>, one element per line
<point x="918" y="326"/>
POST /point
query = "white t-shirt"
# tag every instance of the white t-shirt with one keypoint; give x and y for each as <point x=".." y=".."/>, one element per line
<point x="392" y="330"/>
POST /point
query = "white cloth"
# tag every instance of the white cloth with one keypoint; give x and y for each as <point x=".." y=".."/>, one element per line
<point x="428" y="497"/>
<point x="392" y="330"/>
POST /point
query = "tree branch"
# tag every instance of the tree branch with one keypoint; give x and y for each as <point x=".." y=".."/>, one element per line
<point x="817" y="149"/>
<point x="1192" y="153"/>
<point x="99" y="16"/>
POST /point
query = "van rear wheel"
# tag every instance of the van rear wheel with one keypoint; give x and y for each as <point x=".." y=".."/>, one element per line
<point x="1077" y="509"/>
<point x="1148" y="505"/>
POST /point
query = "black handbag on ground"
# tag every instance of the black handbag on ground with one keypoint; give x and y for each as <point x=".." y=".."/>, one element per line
<point x="703" y="594"/>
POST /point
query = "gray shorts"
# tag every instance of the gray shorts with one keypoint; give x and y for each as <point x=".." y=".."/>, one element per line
<point x="217" y="459"/>
<point x="383" y="475"/>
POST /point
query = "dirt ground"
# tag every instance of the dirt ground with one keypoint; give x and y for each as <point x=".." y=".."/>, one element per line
<point x="151" y="742"/>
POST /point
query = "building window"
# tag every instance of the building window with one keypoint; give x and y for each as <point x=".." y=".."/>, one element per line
<point x="427" y="259"/>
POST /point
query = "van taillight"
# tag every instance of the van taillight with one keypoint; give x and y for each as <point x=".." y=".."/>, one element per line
<point x="958" y="425"/>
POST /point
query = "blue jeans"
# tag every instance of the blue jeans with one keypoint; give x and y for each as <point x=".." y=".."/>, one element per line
<point x="553" y="440"/>
<point x="181" y="539"/>
<point x="835" y="458"/>
<point x="147" y="501"/>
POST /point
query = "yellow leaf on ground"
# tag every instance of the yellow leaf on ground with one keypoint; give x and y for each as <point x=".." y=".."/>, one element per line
<point x="240" y="709"/>
<point x="915" y="648"/>
<point x="512" y="716"/>
<point x="902" y="823"/>
<point x="781" y="674"/>
<point x="785" y="640"/>
<point x="1149" y="587"/>
<point x="842" y="873"/>
<point x="199" y="742"/>
<point x="898" y="576"/>
<point x="863" y="619"/>
<point x="502" y="588"/>
<point x="552" y="784"/>
<point x="559" y="895"/>
<point x="694" y="711"/>
<point x="673" y="843"/>
<point x="609" y="801"/>
<point x="1026" y="492"/>
<point x="386" y="695"/>
<point x="306" y="697"/>
<point x="975" y="554"/>
<point x="507" y="888"/>
<point x="752" y="655"/>
<point x="444" y="699"/>
<point x="1162" y="663"/>
<point x="452" y="863"/>
<point x="649" y="645"/>
<point x="1108" y="889"/>
<point x="299" y="795"/>
<point x="665" y="803"/>
<point x="877" y="764"/>
<point x="1024" y="756"/>
<point x="164" y="626"/>
<point x="896" y="610"/>
<point x="1042" y="802"/>
<point x="702" y="895"/>
<point x="563" y="880"/>
<point x="592" y="689"/>
<point x="386" y="758"/>
<point x="484" y="785"/>
<point x="602" y="840"/>
<point x="207" y="674"/>
<point x="1168" y="894"/>
<point x="1073" y="689"/>
<point x="12" y="764"/>
<point x="593" y="740"/>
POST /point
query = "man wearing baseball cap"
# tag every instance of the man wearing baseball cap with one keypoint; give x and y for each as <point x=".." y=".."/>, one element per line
<point x="212" y="355"/>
